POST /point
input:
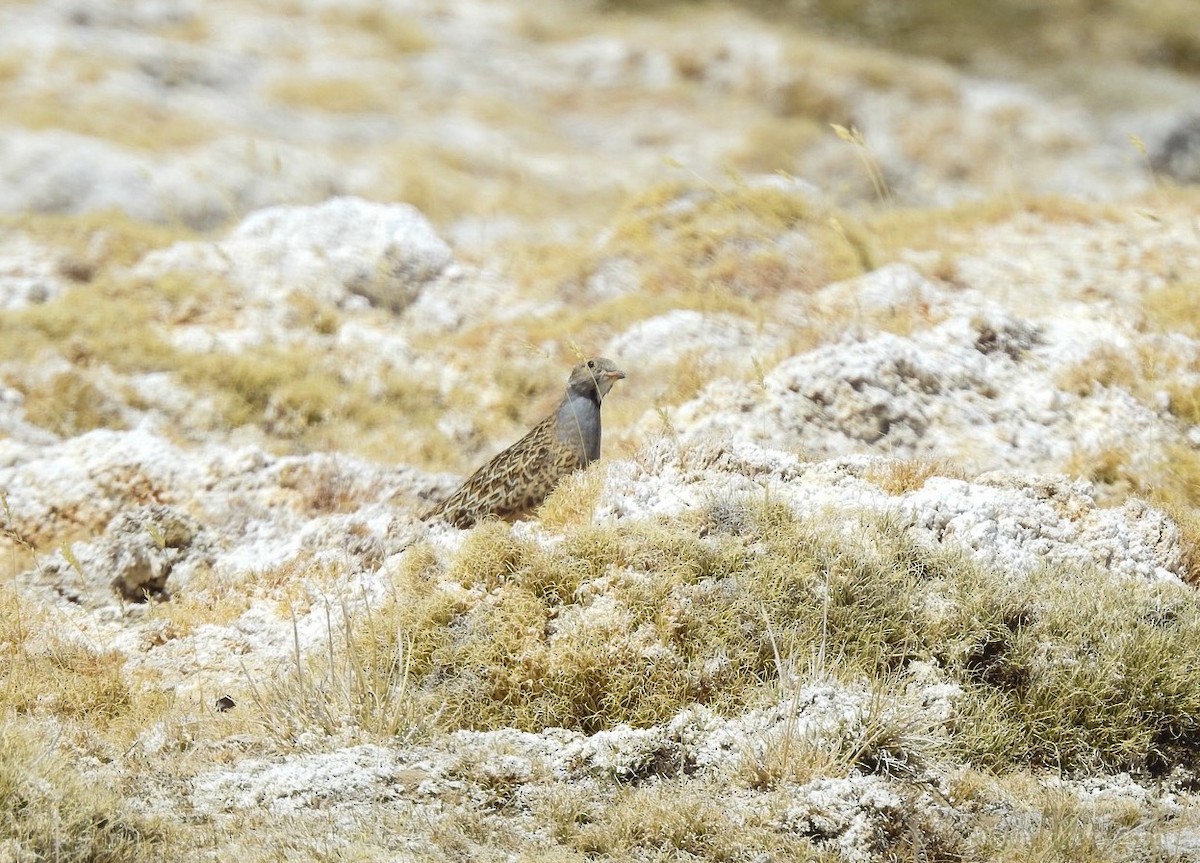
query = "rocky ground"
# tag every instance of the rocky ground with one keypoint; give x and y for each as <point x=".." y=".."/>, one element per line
<point x="892" y="550"/>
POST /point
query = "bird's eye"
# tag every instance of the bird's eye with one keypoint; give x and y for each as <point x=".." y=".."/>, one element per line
<point x="591" y="364"/>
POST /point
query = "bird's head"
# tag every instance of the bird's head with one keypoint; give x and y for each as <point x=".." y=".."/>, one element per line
<point x="595" y="375"/>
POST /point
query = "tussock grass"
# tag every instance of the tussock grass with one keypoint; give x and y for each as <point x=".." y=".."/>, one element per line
<point x="359" y="684"/>
<point x="688" y="237"/>
<point x="103" y="238"/>
<point x="892" y="737"/>
<point x="727" y="248"/>
<point x="1110" y="468"/>
<point x="1174" y="308"/>
<point x="693" y="238"/>
<point x="1085" y="673"/>
<point x="574" y="499"/>
<point x="68" y="403"/>
<point x="497" y="655"/>
<point x="112" y="320"/>
<point x="776" y="143"/>
<point x="669" y="821"/>
<point x="54" y="676"/>
<point x="1104" y="367"/>
<point x="1033" y="822"/>
<point x="951" y="230"/>
<point x="897" y="476"/>
<point x="67" y="681"/>
<point x="630" y="623"/>
<point x="1126" y="31"/>
<point x="449" y="185"/>
<point x="302" y="400"/>
<point x="13" y="65"/>
<point x="1188" y="519"/>
<point x="48" y="811"/>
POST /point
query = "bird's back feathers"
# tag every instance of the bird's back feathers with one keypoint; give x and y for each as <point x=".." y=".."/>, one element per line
<point x="518" y="479"/>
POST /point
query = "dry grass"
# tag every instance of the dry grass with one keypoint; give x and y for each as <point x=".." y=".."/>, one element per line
<point x="12" y="66"/>
<point x="1022" y="34"/>
<point x="574" y="499"/>
<point x="68" y="404"/>
<point x="775" y="144"/>
<point x="684" y="246"/>
<point x="298" y="398"/>
<point x="624" y="622"/>
<point x="619" y="624"/>
<point x="58" y="675"/>
<point x="634" y="621"/>
<point x="332" y="95"/>
<point x="359" y="683"/>
<point x="1188" y="519"/>
<point x="131" y="124"/>
<point x="897" y="476"/>
<point x="1174" y="308"/>
<point x="396" y="32"/>
<point x="954" y="229"/>
<point x="49" y="811"/>
<point x="692" y="239"/>
<point x="100" y="239"/>
<point x="671" y="820"/>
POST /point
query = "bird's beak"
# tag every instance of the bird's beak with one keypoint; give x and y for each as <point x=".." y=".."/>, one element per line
<point x="615" y="374"/>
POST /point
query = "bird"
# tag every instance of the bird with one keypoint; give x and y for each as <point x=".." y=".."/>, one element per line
<point x="517" y="480"/>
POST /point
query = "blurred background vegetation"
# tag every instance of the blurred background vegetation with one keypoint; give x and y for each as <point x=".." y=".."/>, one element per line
<point x="988" y="36"/>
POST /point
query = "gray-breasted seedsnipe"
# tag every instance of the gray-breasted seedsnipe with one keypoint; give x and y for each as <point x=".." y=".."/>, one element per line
<point x="517" y="480"/>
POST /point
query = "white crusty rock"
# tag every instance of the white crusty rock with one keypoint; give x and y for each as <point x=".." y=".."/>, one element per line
<point x="982" y="390"/>
<point x="1018" y="522"/>
<point x="344" y="248"/>
<point x="358" y="775"/>
<point x="149" y="516"/>
<point x="62" y="172"/>
<point x="86" y="481"/>
<point x="143" y="546"/>
<point x="1011" y="521"/>
<point x="659" y="342"/>
<point x="132" y="561"/>
<point x="382" y="252"/>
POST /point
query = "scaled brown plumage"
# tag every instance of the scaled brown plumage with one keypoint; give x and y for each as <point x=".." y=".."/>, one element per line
<point x="517" y="480"/>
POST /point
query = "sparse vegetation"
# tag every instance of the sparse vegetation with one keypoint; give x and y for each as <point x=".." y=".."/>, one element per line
<point x="48" y="811"/>
<point x="899" y="476"/>
<point x="158" y="129"/>
<point x="358" y="683"/>
<point x="1174" y="308"/>
<point x="397" y="32"/>
<point x="69" y="404"/>
<point x="1045" y="663"/>
<point x="996" y="715"/>
<point x="335" y="95"/>
<point x="1164" y="33"/>
<point x="297" y="397"/>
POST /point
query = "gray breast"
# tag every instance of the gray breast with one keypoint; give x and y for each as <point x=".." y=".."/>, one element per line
<point x="578" y="425"/>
